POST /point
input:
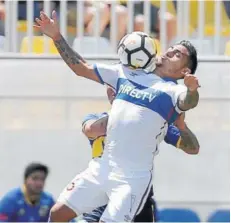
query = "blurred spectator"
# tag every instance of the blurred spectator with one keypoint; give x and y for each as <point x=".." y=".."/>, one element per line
<point x="2" y="18"/>
<point x="121" y="14"/>
<point x="28" y="203"/>
<point x="171" y="22"/>
<point x="89" y="15"/>
<point x="90" y="9"/>
<point x="2" y="10"/>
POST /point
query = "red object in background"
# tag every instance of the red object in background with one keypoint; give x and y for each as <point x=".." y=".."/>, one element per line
<point x="3" y="217"/>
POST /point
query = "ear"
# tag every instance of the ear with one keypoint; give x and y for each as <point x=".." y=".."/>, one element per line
<point x="185" y="71"/>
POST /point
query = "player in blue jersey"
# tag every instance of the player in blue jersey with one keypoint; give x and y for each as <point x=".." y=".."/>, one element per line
<point x="28" y="203"/>
<point x="145" y="104"/>
<point x="94" y="128"/>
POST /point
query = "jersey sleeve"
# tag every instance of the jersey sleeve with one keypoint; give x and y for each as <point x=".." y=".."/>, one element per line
<point x="89" y="117"/>
<point x="107" y="74"/>
<point x="176" y="91"/>
<point x="93" y="117"/>
<point x="7" y="208"/>
<point x="52" y="203"/>
<point x="173" y="136"/>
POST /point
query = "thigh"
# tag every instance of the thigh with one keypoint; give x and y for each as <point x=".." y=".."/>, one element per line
<point x="83" y="194"/>
<point x="126" y="198"/>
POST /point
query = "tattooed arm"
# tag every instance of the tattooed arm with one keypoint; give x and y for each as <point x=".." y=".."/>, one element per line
<point x="188" y="141"/>
<point x="188" y="100"/>
<point x="74" y="60"/>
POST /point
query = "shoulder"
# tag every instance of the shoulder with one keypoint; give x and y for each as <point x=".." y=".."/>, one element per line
<point x="106" y="67"/>
<point x="170" y="87"/>
<point x="47" y="196"/>
<point x="13" y="194"/>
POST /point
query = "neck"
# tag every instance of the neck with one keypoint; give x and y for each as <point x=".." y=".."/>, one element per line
<point x="30" y="196"/>
<point x="163" y="75"/>
<point x="158" y="72"/>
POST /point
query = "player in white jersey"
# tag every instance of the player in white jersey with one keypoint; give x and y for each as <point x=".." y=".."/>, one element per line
<point x="144" y="105"/>
<point x="94" y="128"/>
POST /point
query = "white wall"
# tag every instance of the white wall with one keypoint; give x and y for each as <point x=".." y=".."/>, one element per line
<point x="42" y="104"/>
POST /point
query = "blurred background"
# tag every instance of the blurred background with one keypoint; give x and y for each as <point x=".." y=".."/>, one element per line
<point x="42" y="103"/>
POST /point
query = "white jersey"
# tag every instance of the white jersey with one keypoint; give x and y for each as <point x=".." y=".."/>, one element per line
<point x="141" y="111"/>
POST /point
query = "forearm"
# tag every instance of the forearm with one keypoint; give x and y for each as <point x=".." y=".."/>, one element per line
<point x="74" y="60"/>
<point x="188" y="100"/>
<point x="188" y="142"/>
<point x="71" y="58"/>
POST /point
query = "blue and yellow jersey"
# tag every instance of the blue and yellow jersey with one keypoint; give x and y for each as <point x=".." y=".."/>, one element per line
<point x="16" y="207"/>
<point x="172" y="136"/>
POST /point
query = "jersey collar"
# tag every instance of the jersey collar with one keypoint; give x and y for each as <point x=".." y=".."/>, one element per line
<point x="27" y="198"/>
<point x="167" y="79"/>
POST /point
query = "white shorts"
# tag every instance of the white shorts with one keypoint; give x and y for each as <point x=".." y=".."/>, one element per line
<point x="125" y="196"/>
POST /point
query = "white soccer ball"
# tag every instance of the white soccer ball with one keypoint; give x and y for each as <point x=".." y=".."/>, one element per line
<point x="138" y="50"/>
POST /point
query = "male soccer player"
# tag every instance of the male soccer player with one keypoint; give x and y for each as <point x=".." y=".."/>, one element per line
<point x="94" y="128"/>
<point x="29" y="203"/>
<point x="144" y="105"/>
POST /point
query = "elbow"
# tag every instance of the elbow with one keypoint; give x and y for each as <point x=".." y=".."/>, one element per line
<point x="89" y="131"/>
<point x="194" y="151"/>
<point x="196" y="101"/>
<point x="195" y="104"/>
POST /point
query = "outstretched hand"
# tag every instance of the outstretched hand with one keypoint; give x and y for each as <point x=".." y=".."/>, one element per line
<point x="48" y="26"/>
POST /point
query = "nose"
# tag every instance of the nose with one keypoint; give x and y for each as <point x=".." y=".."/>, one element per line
<point x="170" y="53"/>
<point x="39" y="183"/>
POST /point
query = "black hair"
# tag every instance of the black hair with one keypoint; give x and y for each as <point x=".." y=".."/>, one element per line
<point x="192" y="62"/>
<point x="33" y="167"/>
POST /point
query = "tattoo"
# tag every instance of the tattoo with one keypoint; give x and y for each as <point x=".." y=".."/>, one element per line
<point x="188" y="140"/>
<point x="67" y="53"/>
<point x="188" y="100"/>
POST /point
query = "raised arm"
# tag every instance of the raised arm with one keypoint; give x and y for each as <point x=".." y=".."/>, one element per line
<point x="50" y="27"/>
<point x="189" y="99"/>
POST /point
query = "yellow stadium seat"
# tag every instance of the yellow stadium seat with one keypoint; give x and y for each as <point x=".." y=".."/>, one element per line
<point x="157" y="43"/>
<point x="209" y="17"/>
<point x="22" y="27"/>
<point x="227" y="49"/>
<point x="38" y="43"/>
<point x="209" y="30"/>
<point x="170" y="6"/>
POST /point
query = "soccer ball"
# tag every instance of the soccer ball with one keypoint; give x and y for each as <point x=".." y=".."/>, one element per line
<point x="137" y="50"/>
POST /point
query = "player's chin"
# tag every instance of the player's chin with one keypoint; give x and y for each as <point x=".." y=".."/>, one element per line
<point x="159" y="64"/>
